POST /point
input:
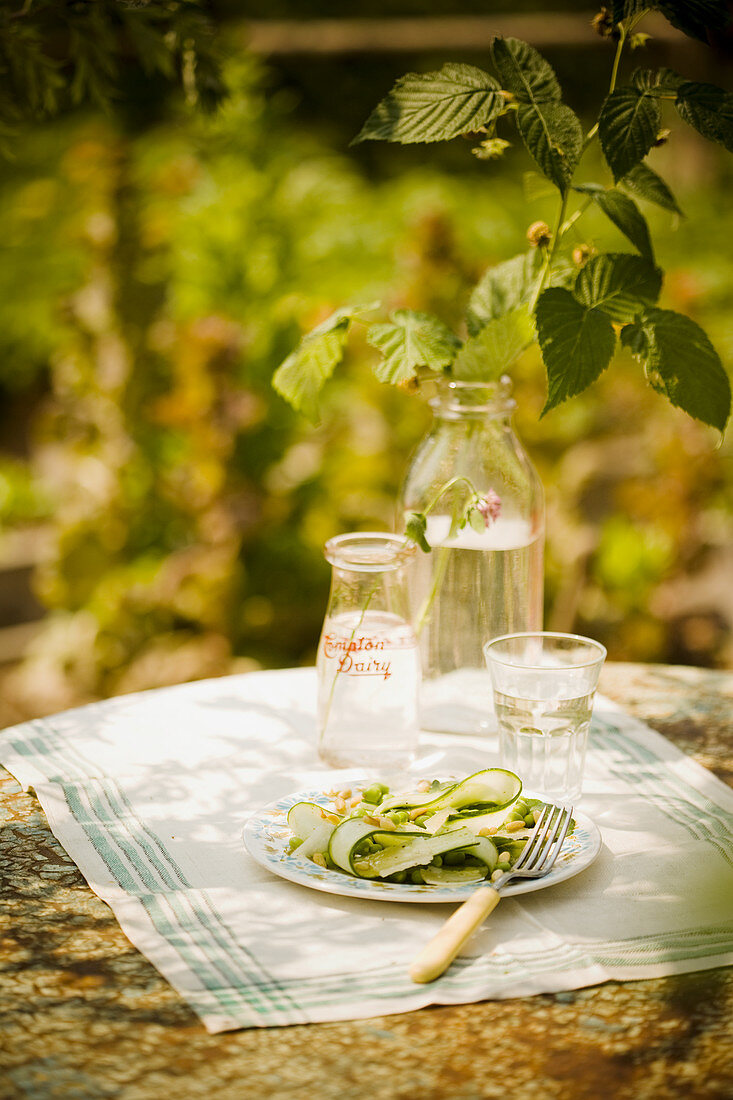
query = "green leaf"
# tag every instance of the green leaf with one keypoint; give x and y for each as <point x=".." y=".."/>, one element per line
<point x="709" y="110"/>
<point x="627" y="127"/>
<point x="563" y="272"/>
<point x="656" y="81"/>
<point x="703" y="19"/>
<point x="621" y="284"/>
<point x="300" y="378"/>
<point x="550" y="130"/>
<point x="554" y="139"/>
<point x="476" y="521"/>
<point x="435" y="106"/>
<point x="645" y="183"/>
<point x="502" y="289"/>
<point x="411" y="340"/>
<point x="416" y="529"/>
<point x="622" y="9"/>
<point x="626" y="216"/>
<point x="536" y="186"/>
<point x="488" y="355"/>
<point x="577" y="344"/>
<point x="523" y="71"/>
<point x="681" y="363"/>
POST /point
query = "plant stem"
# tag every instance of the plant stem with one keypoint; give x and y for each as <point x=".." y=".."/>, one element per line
<point x="552" y="250"/>
<point x="575" y="216"/>
<point x="427" y="603"/>
<point x="329" y="704"/>
<point x="444" y="489"/>
<point x="561" y="225"/>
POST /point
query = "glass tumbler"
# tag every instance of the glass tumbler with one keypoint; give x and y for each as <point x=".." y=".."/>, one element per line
<point x="368" y="664"/>
<point x="544" y="685"/>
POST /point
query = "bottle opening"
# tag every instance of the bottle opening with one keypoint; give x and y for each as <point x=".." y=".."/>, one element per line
<point x="457" y="398"/>
<point x="369" y="551"/>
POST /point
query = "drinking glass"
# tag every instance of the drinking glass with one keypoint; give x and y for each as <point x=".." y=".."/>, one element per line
<point x="544" y="684"/>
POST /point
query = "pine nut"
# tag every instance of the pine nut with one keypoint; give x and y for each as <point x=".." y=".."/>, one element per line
<point x="496" y="874"/>
<point x="424" y="785"/>
<point x="514" y="826"/>
<point x="319" y="858"/>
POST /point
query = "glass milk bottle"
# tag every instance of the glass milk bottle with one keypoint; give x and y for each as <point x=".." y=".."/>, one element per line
<point x="473" y="585"/>
<point x="368" y="665"/>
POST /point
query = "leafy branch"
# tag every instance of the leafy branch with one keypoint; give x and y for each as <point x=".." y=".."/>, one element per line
<point x="574" y="309"/>
<point x="56" y="56"/>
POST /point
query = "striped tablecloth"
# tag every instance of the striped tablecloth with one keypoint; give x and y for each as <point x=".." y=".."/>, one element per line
<point x="149" y="793"/>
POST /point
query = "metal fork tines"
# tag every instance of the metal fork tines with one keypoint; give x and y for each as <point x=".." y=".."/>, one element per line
<point x="542" y="849"/>
<point x="535" y="860"/>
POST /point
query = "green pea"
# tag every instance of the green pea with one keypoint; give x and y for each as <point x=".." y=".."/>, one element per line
<point x="294" y="842"/>
<point x="373" y="794"/>
<point x="416" y="877"/>
<point x="529" y="821"/>
<point x="437" y="861"/>
<point x="422" y="819"/>
<point x="454" y="859"/>
<point x="398" y="876"/>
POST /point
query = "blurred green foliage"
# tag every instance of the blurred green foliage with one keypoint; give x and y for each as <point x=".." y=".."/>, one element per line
<point x="153" y="283"/>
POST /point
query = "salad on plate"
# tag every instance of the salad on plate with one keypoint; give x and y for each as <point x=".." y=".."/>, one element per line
<point x="436" y="833"/>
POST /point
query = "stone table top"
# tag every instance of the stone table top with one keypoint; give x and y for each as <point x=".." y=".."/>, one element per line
<point x="83" y="1015"/>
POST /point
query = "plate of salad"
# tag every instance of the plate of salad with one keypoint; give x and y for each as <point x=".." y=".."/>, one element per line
<point x="429" y="840"/>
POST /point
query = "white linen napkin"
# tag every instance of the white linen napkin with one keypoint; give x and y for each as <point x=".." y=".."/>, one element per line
<point x="149" y="793"/>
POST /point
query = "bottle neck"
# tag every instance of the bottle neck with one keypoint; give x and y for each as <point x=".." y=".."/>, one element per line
<point x="473" y="400"/>
<point x="369" y="552"/>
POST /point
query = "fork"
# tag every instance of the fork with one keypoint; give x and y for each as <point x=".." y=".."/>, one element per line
<point x="534" y="861"/>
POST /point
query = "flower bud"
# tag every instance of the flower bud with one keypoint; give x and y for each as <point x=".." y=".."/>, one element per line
<point x="661" y="139"/>
<point x="603" y="23"/>
<point x="582" y="254"/>
<point x="539" y="234"/>
<point x="409" y="385"/>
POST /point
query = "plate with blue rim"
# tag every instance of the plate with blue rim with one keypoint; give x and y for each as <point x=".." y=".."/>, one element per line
<point x="266" y="837"/>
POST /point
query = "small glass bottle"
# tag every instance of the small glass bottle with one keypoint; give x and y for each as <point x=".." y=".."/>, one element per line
<point x="473" y="585"/>
<point x="368" y="665"/>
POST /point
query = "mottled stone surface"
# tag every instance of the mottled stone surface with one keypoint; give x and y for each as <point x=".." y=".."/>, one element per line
<point x="84" y="1016"/>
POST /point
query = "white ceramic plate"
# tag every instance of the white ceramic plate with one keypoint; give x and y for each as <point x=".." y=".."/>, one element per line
<point x="266" y="838"/>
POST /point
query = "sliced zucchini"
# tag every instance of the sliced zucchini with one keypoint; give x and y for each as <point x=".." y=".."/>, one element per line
<point x="318" y="840"/>
<point x="347" y="837"/>
<point x="304" y="817"/>
<point x="481" y="793"/>
<point x="418" y="852"/>
<point x="485" y="850"/>
<point x="452" y="876"/>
